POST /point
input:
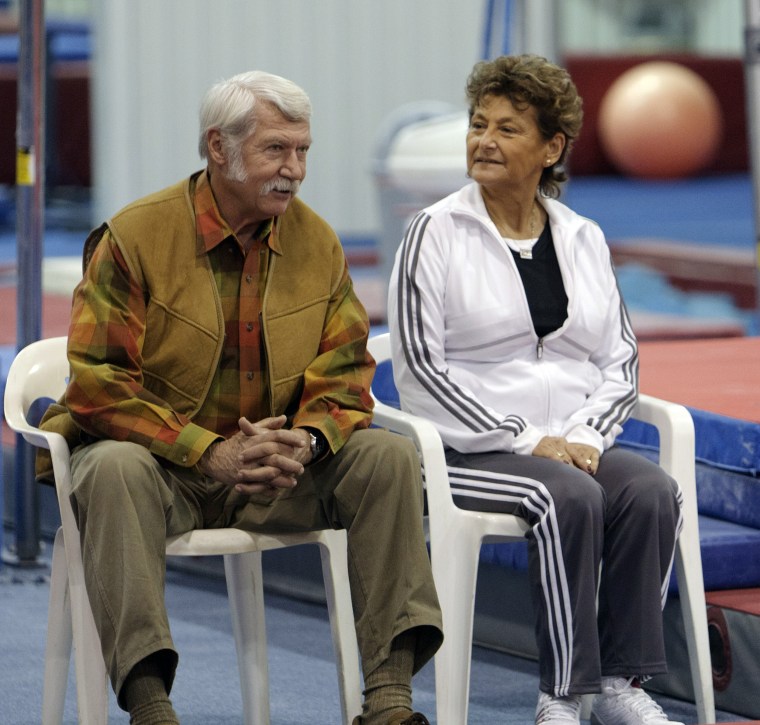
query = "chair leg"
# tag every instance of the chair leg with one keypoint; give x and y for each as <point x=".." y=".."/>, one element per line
<point x="694" y="612"/>
<point x="90" y="669"/>
<point x="333" y="552"/>
<point x="586" y="702"/>
<point x="59" y="638"/>
<point x="246" y="597"/>
<point x="455" y="570"/>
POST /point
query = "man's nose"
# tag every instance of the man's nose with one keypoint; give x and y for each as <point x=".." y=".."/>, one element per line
<point x="293" y="167"/>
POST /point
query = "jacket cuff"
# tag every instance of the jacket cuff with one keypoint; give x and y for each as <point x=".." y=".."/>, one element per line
<point x="587" y="436"/>
<point x="527" y="441"/>
<point x="190" y="445"/>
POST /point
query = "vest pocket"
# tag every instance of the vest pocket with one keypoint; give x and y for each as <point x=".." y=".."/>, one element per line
<point x="179" y="357"/>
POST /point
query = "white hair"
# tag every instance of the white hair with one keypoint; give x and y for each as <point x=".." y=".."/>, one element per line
<point x="229" y="106"/>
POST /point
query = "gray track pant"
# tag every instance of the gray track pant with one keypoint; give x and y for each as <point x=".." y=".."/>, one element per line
<point x="627" y="517"/>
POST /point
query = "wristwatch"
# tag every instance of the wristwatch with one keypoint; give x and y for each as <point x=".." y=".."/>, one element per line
<point x="317" y="445"/>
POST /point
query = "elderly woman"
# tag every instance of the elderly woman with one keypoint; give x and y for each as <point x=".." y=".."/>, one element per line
<point x="510" y="334"/>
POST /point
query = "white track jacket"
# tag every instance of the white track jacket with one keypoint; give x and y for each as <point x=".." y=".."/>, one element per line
<point x="465" y="353"/>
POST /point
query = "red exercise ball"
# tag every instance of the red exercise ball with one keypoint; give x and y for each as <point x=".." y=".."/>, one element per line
<point x="660" y="120"/>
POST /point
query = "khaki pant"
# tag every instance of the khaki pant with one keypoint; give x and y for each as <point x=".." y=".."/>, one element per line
<point x="127" y="503"/>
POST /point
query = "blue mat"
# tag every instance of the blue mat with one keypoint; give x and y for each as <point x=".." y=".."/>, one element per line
<point x="66" y="41"/>
<point x="726" y="443"/>
<point x="730" y="555"/>
<point x="709" y="210"/>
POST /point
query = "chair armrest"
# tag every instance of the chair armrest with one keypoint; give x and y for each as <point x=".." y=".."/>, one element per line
<point x="675" y="427"/>
<point x="37" y="437"/>
<point x="677" y="457"/>
<point x="59" y="453"/>
<point x="424" y="435"/>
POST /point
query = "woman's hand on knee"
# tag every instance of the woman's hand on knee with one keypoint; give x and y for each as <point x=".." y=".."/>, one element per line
<point x="584" y="457"/>
<point x="553" y="448"/>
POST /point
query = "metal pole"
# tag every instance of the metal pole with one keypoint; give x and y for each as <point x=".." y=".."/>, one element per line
<point x="30" y="210"/>
<point x="752" y="87"/>
<point x="541" y="29"/>
<point x="533" y="28"/>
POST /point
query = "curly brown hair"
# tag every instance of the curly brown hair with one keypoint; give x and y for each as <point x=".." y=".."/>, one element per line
<point x="530" y="80"/>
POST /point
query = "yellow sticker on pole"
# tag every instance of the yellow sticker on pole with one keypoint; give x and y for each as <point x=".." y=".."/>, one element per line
<point x="24" y="167"/>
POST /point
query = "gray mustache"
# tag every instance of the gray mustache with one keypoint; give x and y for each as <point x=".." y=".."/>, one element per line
<point x="280" y="185"/>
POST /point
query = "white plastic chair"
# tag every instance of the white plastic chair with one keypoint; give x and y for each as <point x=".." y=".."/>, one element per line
<point x="456" y="536"/>
<point x="40" y="370"/>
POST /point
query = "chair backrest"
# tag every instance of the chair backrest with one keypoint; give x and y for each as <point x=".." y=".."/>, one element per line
<point x="386" y="396"/>
<point x="39" y="371"/>
<point x="428" y="442"/>
<point x="383" y="386"/>
<point x="422" y="432"/>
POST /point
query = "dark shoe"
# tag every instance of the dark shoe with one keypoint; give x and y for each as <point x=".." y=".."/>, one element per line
<point x="401" y="717"/>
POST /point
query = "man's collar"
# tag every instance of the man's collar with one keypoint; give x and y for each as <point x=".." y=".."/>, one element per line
<point x="211" y="227"/>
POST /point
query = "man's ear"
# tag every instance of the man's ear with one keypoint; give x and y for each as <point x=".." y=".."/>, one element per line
<point x="216" y="146"/>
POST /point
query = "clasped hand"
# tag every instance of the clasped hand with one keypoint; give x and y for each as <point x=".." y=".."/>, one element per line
<point x="574" y="454"/>
<point x="261" y="457"/>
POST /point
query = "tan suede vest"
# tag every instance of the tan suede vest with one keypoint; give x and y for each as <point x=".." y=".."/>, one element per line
<point x="184" y="325"/>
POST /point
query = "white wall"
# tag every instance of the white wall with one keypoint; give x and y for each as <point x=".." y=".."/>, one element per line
<point x="359" y="60"/>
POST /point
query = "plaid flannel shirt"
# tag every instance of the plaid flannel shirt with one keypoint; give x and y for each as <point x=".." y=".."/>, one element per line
<point x="106" y="396"/>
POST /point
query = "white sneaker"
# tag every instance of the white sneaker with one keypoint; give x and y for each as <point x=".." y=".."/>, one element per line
<point x="558" y="710"/>
<point x="622" y="704"/>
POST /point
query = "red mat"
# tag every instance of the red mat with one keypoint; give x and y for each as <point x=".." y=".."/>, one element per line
<point x="718" y="376"/>
<point x="55" y="321"/>
<point x="55" y="315"/>
<point x="740" y="600"/>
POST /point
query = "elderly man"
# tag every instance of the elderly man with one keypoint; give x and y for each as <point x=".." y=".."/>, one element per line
<point x="219" y="377"/>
